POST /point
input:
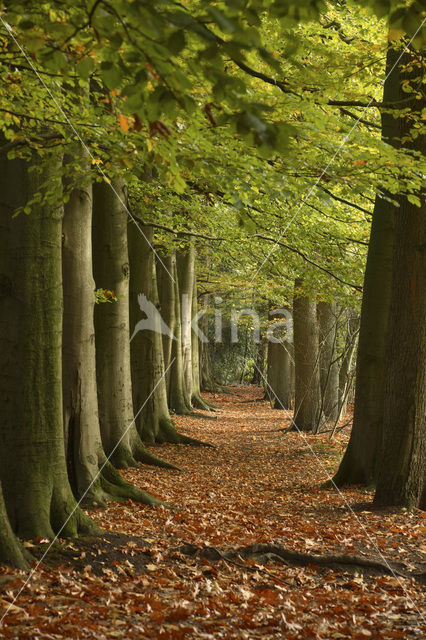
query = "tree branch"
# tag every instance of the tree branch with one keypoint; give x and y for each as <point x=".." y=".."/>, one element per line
<point x="308" y="260"/>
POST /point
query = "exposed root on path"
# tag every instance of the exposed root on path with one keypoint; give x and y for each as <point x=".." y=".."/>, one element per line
<point x="264" y="553"/>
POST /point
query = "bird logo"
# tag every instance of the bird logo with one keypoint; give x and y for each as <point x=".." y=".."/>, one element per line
<point x="153" y="320"/>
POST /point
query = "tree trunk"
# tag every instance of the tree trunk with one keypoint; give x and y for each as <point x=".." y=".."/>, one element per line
<point x="307" y="407"/>
<point x="179" y="401"/>
<point x="196" y="398"/>
<point x="80" y="403"/>
<point x="403" y="466"/>
<point x="279" y="375"/>
<point x="260" y="361"/>
<point x="33" y="471"/>
<point x="166" y="293"/>
<point x="11" y="551"/>
<point x="360" y="462"/>
<point x="207" y="382"/>
<point x="185" y="264"/>
<point x="345" y="375"/>
<point x="329" y="368"/>
<point x="111" y="270"/>
<point x="403" y="460"/>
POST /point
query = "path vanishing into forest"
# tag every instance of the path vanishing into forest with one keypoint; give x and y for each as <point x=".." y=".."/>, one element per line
<point x="258" y="485"/>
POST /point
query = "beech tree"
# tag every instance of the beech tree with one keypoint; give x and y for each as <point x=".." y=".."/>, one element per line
<point x="307" y="404"/>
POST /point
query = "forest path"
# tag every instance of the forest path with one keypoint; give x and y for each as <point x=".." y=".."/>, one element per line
<point x="258" y="485"/>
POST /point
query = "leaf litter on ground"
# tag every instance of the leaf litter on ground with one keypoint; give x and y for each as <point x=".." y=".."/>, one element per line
<point x="258" y="486"/>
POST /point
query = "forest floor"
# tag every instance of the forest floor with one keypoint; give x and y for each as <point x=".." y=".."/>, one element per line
<point x="258" y="485"/>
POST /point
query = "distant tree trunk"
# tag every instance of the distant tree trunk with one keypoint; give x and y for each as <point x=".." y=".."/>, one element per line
<point x="179" y="401"/>
<point x="33" y="471"/>
<point x="207" y="382"/>
<point x="111" y="270"/>
<point x="148" y="373"/>
<point x="360" y="462"/>
<point x="260" y="362"/>
<point x="402" y="468"/>
<point x="279" y="375"/>
<point x="345" y="376"/>
<point x="329" y="367"/>
<point x="165" y="266"/>
<point x="185" y="264"/>
<point x="307" y="408"/>
<point x="196" y="398"/>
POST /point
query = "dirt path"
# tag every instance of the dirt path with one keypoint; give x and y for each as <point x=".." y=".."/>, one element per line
<point x="257" y="486"/>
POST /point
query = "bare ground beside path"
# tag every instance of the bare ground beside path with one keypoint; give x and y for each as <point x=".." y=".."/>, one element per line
<point x="256" y="486"/>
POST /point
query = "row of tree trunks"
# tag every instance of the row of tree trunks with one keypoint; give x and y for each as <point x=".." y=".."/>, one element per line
<point x="153" y="337"/>
<point x="100" y="377"/>
<point x="315" y="362"/>
<point x="33" y="470"/>
<point x="112" y="321"/>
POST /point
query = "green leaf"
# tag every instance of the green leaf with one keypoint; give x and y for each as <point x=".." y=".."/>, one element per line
<point x="112" y="77"/>
<point x="85" y="67"/>
<point x="176" y="42"/>
<point x="414" y="200"/>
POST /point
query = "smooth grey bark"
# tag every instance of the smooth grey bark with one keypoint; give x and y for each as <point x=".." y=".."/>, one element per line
<point x="402" y="467"/>
<point x="328" y="361"/>
<point x="33" y="471"/>
<point x="185" y="265"/>
<point x="165" y="267"/>
<point x="111" y="271"/>
<point x="307" y="406"/>
<point x="179" y="401"/>
<point x="80" y="404"/>
<point x="360" y="461"/>
<point x="196" y="398"/>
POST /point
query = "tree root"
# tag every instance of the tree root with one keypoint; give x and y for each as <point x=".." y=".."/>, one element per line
<point x="168" y="433"/>
<point x="275" y="552"/>
<point x="198" y="402"/>
<point x="146" y="457"/>
<point x="205" y="416"/>
<point x="117" y="488"/>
